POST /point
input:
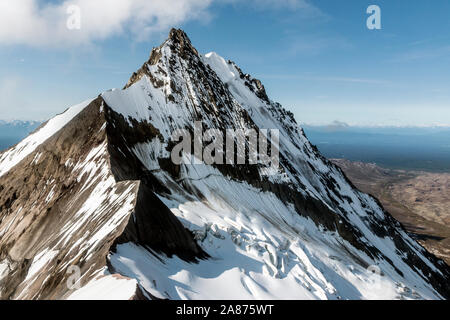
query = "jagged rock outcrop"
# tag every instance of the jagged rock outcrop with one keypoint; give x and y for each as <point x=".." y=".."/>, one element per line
<point x="69" y="202"/>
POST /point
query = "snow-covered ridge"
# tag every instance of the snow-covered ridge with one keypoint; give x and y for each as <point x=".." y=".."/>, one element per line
<point x="225" y="72"/>
<point x="75" y="196"/>
<point x="13" y="156"/>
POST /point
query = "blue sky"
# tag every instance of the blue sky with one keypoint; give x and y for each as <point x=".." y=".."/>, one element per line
<point x="315" y="57"/>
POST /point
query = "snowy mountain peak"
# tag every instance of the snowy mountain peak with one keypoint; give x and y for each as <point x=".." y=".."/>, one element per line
<point x="102" y="175"/>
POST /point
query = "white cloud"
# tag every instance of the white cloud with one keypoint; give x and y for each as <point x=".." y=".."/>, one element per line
<point x="44" y="23"/>
<point x="33" y="22"/>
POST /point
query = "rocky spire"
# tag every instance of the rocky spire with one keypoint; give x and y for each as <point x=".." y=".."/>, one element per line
<point x="178" y="42"/>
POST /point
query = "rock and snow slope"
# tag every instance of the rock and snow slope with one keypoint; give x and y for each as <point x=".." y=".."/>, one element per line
<point x="95" y="188"/>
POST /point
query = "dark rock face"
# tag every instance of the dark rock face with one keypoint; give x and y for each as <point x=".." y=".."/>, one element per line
<point x="153" y="225"/>
<point x="42" y="217"/>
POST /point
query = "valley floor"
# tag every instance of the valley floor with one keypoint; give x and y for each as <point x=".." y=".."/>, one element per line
<point x="419" y="200"/>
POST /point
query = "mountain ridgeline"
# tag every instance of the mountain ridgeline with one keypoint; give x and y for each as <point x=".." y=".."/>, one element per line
<point x="95" y="189"/>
